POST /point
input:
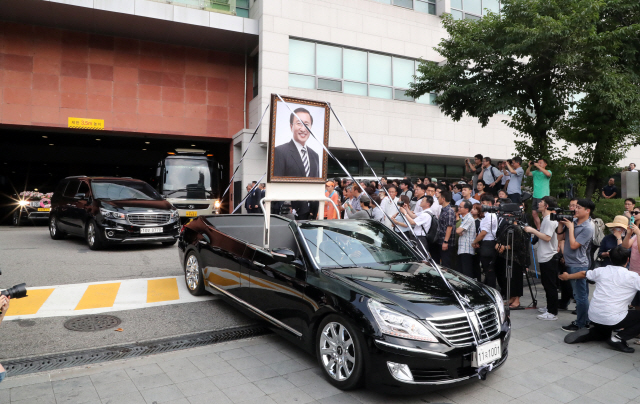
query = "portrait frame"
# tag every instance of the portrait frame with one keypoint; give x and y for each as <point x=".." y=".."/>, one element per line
<point x="279" y="129"/>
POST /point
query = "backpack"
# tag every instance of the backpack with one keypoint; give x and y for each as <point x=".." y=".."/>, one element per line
<point x="432" y="234"/>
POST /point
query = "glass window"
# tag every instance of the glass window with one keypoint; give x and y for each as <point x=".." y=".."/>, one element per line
<point x="355" y="65"/>
<point x="399" y="94"/>
<point x="242" y="3"/>
<point x="240" y="12"/>
<point x="296" y="80"/>
<point x="353" y="166"/>
<point x="394" y="169"/>
<point x="380" y="92"/>
<point x="457" y="15"/>
<point x="379" y="69"/>
<point x="471" y="17"/>
<point x="329" y="85"/>
<point x="455" y="171"/>
<point x="403" y="3"/>
<point x="118" y="190"/>
<point x="377" y="167"/>
<point x="426" y="99"/>
<point x="72" y="189"/>
<point x="334" y="168"/>
<point x="403" y="71"/>
<point x="383" y="1"/>
<point x="329" y="61"/>
<point x="492" y="5"/>
<point x="424" y="7"/>
<point x="301" y="57"/>
<point x="415" y="170"/>
<point x="355" y="88"/>
<point x="435" y="170"/>
<point x="473" y="6"/>
<point x="456" y="4"/>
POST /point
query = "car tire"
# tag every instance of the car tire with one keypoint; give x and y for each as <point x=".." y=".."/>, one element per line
<point x="193" y="276"/>
<point x="169" y="243"/>
<point x="93" y="236"/>
<point x="54" y="229"/>
<point x="340" y="352"/>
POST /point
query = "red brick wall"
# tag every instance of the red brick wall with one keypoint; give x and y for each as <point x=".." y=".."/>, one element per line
<point x="48" y="75"/>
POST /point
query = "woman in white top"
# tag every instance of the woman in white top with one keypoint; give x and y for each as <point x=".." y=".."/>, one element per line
<point x="388" y="204"/>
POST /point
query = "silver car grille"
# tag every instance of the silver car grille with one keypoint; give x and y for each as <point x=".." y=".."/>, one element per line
<point x="149" y="219"/>
<point x="456" y="329"/>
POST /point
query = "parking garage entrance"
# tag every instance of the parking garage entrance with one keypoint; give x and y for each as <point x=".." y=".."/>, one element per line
<point x="38" y="159"/>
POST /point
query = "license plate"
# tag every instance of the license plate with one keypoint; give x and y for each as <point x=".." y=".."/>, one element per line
<point x="487" y="353"/>
<point x="192" y="213"/>
<point x="146" y="230"/>
<point x="44" y="209"/>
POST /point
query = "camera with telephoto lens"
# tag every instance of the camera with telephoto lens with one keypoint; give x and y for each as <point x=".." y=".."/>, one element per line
<point x="16" y="292"/>
<point x="560" y="214"/>
<point x="512" y="213"/>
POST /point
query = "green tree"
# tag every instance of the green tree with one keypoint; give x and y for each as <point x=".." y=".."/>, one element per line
<point x="530" y="61"/>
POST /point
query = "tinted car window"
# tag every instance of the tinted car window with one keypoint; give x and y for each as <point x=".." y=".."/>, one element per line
<point x="84" y="188"/>
<point x="60" y="188"/>
<point x="72" y="188"/>
<point x="335" y="244"/>
<point x="117" y="190"/>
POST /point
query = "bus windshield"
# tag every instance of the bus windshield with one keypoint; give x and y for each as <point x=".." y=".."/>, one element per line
<point x="184" y="176"/>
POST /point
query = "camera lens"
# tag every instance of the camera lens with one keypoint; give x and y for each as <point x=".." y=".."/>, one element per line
<point x="16" y="292"/>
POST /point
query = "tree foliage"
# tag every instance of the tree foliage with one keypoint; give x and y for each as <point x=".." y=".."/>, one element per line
<point x="531" y="60"/>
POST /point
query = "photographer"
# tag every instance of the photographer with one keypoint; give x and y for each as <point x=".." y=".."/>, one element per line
<point x="422" y="222"/>
<point x="541" y="178"/>
<point x="485" y="242"/>
<point x="577" y="236"/>
<point x="609" y="310"/>
<point x="4" y="306"/>
<point x="520" y="247"/>
<point x="547" y="249"/>
<point x="514" y="187"/>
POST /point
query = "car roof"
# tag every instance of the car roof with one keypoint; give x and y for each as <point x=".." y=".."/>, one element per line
<point x="102" y="178"/>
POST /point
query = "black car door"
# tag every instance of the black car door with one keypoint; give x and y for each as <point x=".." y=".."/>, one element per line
<point x="65" y="215"/>
<point x="278" y="289"/>
<point x="221" y="260"/>
<point x="78" y="207"/>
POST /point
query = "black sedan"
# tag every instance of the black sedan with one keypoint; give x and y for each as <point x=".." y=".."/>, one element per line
<point x="352" y="293"/>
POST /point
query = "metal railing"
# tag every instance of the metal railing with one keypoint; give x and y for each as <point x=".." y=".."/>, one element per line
<point x="219" y="6"/>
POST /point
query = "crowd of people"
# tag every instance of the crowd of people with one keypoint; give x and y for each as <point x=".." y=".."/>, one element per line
<point x="475" y="225"/>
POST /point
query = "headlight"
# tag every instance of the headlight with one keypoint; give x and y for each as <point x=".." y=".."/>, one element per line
<point x="175" y="215"/>
<point x="499" y="303"/>
<point x="109" y="214"/>
<point x="216" y="204"/>
<point x="398" y="325"/>
<point x="23" y="203"/>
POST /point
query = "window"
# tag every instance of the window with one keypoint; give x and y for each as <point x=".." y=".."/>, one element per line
<point x="242" y="8"/>
<point x="455" y="171"/>
<point x="376" y="165"/>
<point x="473" y="9"/>
<point x="394" y="169"/>
<point x="415" y="170"/>
<point x="422" y="6"/>
<point x="72" y="188"/>
<point x="334" y="68"/>
<point x="435" y="170"/>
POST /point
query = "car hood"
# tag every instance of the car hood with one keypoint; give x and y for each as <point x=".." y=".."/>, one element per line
<point x="417" y="287"/>
<point x="136" y="205"/>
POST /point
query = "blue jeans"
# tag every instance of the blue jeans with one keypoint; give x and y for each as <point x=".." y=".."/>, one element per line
<point x="581" y="294"/>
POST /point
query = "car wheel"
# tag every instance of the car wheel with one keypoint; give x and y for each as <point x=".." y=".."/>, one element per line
<point x="169" y="243"/>
<point x="54" y="229"/>
<point x="339" y="348"/>
<point x="193" y="275"/>
<point x="93" y="236"/>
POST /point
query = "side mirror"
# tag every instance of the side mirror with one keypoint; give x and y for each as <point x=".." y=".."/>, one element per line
<point x="283" y="255"/>
<point x="80" y="196"/>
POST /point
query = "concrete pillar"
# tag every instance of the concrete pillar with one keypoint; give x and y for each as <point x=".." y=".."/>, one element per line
<point x="630" y="184"/>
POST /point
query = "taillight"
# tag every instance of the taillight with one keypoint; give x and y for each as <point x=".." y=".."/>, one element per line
<point x="184" y="226"/>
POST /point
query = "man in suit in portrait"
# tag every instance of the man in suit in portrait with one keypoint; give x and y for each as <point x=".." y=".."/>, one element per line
<point x="295" y="158"/>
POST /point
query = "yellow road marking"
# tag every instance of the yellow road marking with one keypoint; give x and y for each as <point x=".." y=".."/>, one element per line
<point x="97" y="296"/>
<point x="162" y="290"/>
<point x="30" y="304"/>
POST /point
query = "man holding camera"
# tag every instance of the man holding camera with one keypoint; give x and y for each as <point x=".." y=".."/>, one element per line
<point x="547" y="249"/>
<point x="577" y="236"/>
<point x="485" y="242"/>
<point x="514" y="187"/>
<point x="422" y="221"/>
<point x="4" y="306"/>
<point x="541" y="178"/>
<point x="609" y="310"/>
<point x="491" y="176"/>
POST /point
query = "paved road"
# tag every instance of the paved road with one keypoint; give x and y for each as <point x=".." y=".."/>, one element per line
<point x="28" y="254"/>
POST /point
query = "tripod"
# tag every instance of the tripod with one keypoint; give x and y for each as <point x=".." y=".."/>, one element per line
<point x="509" y="268"/>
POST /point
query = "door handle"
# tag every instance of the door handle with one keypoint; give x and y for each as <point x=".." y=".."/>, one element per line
<point x="258" y="264"/>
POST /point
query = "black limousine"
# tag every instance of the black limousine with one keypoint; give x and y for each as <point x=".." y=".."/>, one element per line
<point x="352" y="293"/>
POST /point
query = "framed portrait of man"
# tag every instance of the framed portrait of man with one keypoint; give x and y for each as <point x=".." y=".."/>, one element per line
<point x="295" y="155"/>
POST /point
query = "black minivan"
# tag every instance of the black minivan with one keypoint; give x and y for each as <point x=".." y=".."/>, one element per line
<point x="111" y="210"/>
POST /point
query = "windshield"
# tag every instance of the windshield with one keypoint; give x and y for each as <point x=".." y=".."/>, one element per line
<point x="184" y="176"/>
<point x="117" y="190"/>
<point x="345" y="243"/>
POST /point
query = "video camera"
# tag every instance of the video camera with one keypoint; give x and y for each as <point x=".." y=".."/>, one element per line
<point x="558" y="216"/>
<point x="16" y="292"/>
<point x="511" y="212"/>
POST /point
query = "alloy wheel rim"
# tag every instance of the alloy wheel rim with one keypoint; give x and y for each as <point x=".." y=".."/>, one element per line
<point x="91" y="234"/>
<point x="192" y="272"/>
<point x="52" y="227"/>
<point x="337" y="351"/>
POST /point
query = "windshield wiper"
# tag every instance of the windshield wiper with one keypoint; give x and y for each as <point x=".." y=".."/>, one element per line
<point x="187" y="190"/>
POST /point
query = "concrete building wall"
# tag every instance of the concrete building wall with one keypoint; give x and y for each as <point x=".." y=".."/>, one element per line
<point x="48" y="75"/>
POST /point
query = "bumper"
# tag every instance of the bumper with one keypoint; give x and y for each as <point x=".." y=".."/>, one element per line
<point x="38" y="216"/>
<point x="129" y="234"/>
<point x="433" y="366"/>
<point x="200" y="208"/>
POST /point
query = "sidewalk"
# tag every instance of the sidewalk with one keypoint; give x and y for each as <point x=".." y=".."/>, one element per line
<point x="268" y="369"/>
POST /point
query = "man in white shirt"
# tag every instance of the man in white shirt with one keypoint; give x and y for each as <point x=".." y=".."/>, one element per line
<point x="616" y="287"/>
<point x="419" y="192"/>
<point x="466" y="195"/>
<point x="485" y="241"/>
<point x="421" y="222"/>
<point x="388" y="204"/>
<point x="547" y="249"/>
<point x="435" y="208"/>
